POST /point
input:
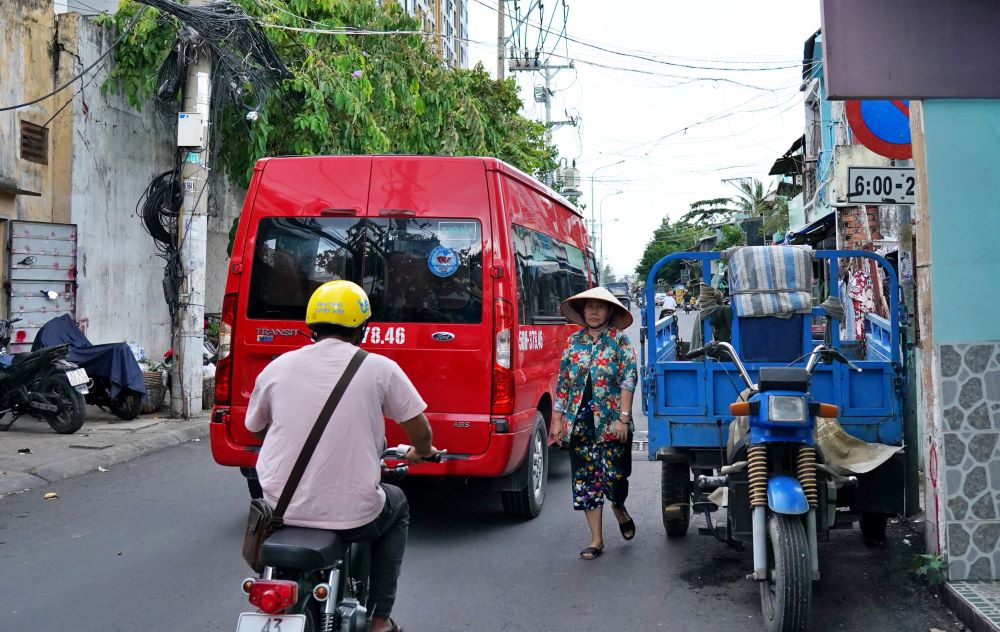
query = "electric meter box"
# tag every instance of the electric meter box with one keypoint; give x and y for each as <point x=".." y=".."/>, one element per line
<point x="190" y="129"/>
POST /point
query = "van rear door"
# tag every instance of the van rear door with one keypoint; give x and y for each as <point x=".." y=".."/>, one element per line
<point x="429" y="221"/>
<point x="306" y="228"/>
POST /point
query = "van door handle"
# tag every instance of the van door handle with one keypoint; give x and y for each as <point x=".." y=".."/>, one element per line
<point x="327" y="212"/>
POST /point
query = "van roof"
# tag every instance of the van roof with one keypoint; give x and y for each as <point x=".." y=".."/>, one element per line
<point x="492" y="164"/>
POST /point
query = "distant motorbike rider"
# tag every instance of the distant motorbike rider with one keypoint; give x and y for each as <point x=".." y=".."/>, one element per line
<point x="341" y="489"/>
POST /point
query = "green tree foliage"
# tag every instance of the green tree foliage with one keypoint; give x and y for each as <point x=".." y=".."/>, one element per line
<point x="667" y="239"/>
<point x="359" y="94"/>
<point x="710" y="212"/>
<point x="608" y="275"/>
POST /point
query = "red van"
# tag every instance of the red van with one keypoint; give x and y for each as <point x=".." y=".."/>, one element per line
<point x="465" y="261"/>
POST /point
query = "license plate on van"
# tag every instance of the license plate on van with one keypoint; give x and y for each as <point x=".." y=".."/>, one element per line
<point x="77" y="377"/>
<point x="256" y="622"/>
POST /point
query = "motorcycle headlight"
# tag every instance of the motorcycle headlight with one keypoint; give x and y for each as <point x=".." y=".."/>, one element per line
<point x="786" y="408"/>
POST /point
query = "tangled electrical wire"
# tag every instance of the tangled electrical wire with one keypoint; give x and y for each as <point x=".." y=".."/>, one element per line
<point x="159" y="209"/>
<point x="243" y="63"/>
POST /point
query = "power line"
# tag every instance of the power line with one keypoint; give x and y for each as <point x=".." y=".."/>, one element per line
<point x="111" y="49"/>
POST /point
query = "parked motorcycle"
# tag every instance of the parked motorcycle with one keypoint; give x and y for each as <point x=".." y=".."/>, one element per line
<point x="312" y="580"/>
<point x="42" y="384"/>
<point x="118" y="384"/>
<point x="775" y="473"/>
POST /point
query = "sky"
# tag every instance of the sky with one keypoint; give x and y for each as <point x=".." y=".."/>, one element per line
<point x="652" y="113"/>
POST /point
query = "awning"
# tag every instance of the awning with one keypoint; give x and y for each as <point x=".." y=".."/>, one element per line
<point x="815" y="231"/>
<point x="789" y="164"/>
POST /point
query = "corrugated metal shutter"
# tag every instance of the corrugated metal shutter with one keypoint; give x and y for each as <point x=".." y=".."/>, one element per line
<point x="42" y="259"/>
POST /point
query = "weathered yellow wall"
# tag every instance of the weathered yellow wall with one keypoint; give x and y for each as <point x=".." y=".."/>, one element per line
<point x="27" y="69"/>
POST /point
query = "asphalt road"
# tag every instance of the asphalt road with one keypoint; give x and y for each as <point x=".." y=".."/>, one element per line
<point x="153" y="545"/>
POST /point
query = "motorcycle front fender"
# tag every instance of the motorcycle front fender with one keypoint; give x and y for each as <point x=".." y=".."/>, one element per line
<point x="785" y="495"/>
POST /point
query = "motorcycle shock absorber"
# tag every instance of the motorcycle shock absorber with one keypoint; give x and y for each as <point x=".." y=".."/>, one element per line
<point x="806" y="467"/>
<point x="757" y="475"/>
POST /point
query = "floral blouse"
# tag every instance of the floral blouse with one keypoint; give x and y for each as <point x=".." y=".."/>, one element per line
<point x="610" y="363"/>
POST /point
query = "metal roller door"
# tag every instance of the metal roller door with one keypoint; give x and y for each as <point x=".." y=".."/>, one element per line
<point x="41" y="277"/>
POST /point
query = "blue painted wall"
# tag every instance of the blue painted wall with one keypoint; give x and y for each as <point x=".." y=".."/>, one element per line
<point x="963" y="185"/>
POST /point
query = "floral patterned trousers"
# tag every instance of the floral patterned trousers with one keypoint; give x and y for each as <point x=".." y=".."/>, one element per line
<point x="600" y="468"/>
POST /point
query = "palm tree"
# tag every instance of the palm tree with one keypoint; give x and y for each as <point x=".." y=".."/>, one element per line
<point x="752" y="198"/>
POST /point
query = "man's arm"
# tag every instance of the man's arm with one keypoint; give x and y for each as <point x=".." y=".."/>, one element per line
<point x="418" y="431"/>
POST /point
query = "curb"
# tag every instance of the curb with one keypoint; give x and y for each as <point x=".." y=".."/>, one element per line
<point x="16" y="482"/>
<point x="967" y="612"/>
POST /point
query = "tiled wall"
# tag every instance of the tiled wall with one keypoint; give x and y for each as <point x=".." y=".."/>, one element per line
<point x="969" y="440"/>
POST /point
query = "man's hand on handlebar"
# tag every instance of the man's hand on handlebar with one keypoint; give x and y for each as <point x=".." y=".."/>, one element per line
<point x="411" y="456"/>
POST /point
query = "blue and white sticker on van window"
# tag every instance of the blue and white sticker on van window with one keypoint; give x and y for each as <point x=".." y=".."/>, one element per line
<point x="443" y="261"/>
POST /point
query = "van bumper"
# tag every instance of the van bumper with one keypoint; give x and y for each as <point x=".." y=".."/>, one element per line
<point x="504" y="453"/>
<point x="224" y="450"/>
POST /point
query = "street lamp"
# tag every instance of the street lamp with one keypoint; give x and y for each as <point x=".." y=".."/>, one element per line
<point x="601" y="238"/>
<point x="593" y="222"/>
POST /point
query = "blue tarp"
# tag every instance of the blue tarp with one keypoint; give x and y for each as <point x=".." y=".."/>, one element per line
<point x="113" y="361"/>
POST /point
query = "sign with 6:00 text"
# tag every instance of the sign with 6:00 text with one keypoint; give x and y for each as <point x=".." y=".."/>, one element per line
<point x="881" y="185"/>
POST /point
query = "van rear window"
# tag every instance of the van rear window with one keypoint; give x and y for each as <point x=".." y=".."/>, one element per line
<point x="414" y="269"/>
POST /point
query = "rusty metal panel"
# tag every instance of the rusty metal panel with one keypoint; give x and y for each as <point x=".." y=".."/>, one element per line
<point x="42" y="260"/>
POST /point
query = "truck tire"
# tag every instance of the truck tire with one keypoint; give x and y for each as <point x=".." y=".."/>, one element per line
<point x="873" y="527"/>
<point x="787" y="594"/>
<point x="527" y="502"/>
<point x="675" y="497"/>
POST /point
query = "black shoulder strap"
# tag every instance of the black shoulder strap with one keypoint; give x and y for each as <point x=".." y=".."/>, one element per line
<point x="313" y="440"/>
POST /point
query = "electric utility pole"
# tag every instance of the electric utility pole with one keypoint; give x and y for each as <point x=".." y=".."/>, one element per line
<point x="501" y="40"/>
<point x="192" y="233"/>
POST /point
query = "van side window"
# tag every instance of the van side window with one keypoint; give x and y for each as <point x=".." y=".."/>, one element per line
<point x="548" y="271"/>
<point x="295" y="255"/>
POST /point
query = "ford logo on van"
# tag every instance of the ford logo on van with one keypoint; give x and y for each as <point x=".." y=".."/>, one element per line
<point x="443" y="336"/>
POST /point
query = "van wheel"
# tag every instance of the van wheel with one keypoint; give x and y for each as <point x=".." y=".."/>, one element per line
<point x="527" y="502"/>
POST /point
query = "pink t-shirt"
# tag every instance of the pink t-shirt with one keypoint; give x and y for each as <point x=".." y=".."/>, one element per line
<point x="340" y="487"/>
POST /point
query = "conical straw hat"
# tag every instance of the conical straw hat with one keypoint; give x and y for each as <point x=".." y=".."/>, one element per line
<point x="572" y="308"/>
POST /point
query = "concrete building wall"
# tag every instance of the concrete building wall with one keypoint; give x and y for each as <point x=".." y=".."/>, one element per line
<point x="957" y="270"/>
<point x="225" y="202"/>
<point x="115" y="153"/>
<point x="26" y="28"/>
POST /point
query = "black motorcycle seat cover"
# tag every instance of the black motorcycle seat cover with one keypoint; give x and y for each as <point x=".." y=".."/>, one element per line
<point x="299" y="548"/>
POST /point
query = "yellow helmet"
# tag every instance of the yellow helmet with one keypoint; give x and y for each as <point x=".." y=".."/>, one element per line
<point x="338" y="303"/>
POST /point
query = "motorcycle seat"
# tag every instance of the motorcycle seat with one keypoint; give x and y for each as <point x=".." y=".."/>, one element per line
<point x="302" y="549"/>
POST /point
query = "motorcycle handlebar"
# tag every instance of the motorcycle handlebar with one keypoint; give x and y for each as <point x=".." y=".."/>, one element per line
<point x="399" y="452"/>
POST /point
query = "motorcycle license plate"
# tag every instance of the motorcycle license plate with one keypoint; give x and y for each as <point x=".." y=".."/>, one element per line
<point x="256" y="622"/>
<point x="77" y="377"/>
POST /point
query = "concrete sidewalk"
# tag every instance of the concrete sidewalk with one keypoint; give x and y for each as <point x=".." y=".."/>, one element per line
<point x="977" y="603"/>
<point x="33" y="455"/>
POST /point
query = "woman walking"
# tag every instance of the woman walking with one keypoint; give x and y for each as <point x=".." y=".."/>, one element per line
<point x="597" y="378"/>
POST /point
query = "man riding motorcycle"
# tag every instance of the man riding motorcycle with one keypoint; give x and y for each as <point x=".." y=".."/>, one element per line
<point x="341" y="490"/>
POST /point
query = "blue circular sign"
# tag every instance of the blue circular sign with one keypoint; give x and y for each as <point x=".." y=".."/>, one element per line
<point x="882" y="126"/>
<point x="443" y="261"/>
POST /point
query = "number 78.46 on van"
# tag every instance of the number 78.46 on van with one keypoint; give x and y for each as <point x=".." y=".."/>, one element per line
<point x="881" y="185"/>
<point x="465" y="262"/>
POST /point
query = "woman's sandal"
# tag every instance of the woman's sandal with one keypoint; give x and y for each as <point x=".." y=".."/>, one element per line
<point x="591" y="553"/>
<point x="628" y="527"/>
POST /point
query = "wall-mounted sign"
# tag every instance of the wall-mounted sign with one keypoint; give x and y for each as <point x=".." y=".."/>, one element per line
<point x="882" y="126"/>
<point x="881" y="185"/>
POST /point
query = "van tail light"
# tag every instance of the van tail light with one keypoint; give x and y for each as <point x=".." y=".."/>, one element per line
<point x="503" y="376"/>
<point x="224" y="367"/>
<point x="273" y="595"/>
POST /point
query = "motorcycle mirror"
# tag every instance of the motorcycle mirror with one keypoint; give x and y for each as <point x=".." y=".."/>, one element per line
<point x="27" y="261"/>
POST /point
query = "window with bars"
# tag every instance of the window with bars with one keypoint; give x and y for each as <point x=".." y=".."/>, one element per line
<point x="34" y="143"/>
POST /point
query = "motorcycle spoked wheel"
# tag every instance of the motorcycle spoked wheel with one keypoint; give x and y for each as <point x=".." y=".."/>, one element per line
<point x="786" y="596"/>
<point x="72" y="411"/>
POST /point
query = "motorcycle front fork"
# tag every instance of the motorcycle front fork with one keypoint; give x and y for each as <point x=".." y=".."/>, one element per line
<point x="760" y="543"/>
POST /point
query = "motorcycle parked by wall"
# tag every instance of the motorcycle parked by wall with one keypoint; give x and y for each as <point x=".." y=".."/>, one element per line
<point x="312" y="580"/>
<point x="775" y="473"/>
<point x="42" y="384"/>
<point x="118" y="384"/>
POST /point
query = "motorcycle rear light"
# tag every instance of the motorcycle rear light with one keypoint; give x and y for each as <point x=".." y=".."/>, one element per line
<point x="274" y="595"/>
<point x="224" y="366"/>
